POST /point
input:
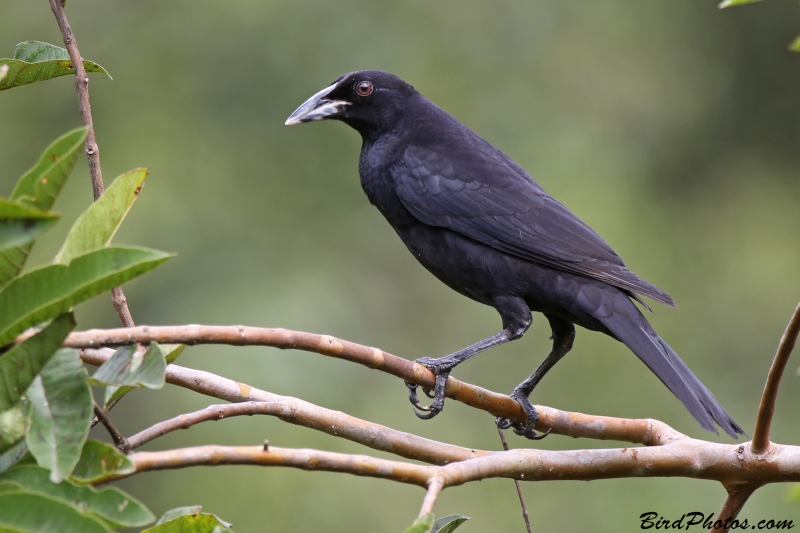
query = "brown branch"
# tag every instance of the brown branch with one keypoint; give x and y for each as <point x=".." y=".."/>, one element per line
<point x="642" y="431"/>
<point x="119" y="440"/>
<point x="435" y="486"/>
<point x="294" y="411"/>
<point x="92" y="150"/>
<point x="738" y="494"/>
<point x="359" y="465"/>
<point x="121" y="305"/>
<point x="516" y="482"/>
<point x="684" y="458"/>
<point x="766" y="408"/>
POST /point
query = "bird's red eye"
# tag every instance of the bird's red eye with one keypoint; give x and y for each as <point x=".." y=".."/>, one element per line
<point x="364" y="88"/>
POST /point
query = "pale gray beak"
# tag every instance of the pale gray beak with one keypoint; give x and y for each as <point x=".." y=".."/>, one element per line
<point x="317" y="107"/>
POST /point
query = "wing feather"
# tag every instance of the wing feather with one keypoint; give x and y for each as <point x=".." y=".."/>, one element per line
<point x="492" y="200"/>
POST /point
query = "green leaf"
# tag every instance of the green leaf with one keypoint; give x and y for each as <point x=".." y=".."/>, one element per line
<point x="17" y="233"/>
<point x="49" y="291"/>
<point x="423" y="524"/>
<point x="448" y="524"/>
<point x="172" y="514"/>
<point x="7" y="487"/>
<point x="730" y="3"/>
<point x="36" y="61"/>
<point x="126" y="367"/>
<point x="98" y="224"/>
<point x="20" y="224"/>
<point x="13" y="455"/>
<point x="114" y="392"/>
<point x="189" y="520"/>
<point x="795" y="46"/>
<point x="12" y="428"/>
<point x="21" y="364"/>
<point x="23" y="512"/>
<point x="62" y="410"/>
<point x="10" y="209"/>
<point x="99" y="462"/>
<point x="111" y="504"/>
<point x="39" y="188"/>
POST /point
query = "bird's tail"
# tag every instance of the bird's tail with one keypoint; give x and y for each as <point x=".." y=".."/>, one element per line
<point x="662" y="360"/>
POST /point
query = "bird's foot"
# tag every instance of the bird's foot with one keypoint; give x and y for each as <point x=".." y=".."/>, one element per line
<point x="531" y="417"/>
<point x="442" y="372"/>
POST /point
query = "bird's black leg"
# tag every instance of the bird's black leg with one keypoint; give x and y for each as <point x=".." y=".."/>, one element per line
<point x="516" y="321"/>
<point x="563" y="337"/>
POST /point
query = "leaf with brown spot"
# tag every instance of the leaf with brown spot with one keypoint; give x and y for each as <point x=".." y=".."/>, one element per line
<point x="35" y="61"/>
<point x="95" y="228"/>
<point x="99" y="462"/>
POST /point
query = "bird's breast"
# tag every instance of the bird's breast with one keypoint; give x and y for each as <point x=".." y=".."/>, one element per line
<point x="378" y="184"/>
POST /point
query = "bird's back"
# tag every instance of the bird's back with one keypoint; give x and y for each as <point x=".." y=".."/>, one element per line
<point x="435" y="169"/>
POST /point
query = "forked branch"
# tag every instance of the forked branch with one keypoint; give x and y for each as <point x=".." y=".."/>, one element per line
<point x="680" y="457"/>
<point x="641" y="431"/>
<point x="294" y="411"/>
<point x="686" y="458"/>
<point x="669" y="454"/>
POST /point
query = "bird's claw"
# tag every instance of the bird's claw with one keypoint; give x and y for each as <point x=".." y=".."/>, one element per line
<point x="531" y="418"/>
<point x="413" y="398"/>
<point x="438" y="392"/>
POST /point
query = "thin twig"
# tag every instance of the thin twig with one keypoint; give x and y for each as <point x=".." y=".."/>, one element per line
<point x="312" y="416"/>
<point x="92" y="150"/>
<point x="82" y="88"/>
<point x="640" y="431"/>
<point x="435" y="486"/>
<point x="306" y="459"/>
<point x="121" y="305"/>
<point x="516" y="483"/>
<point x="766" y="408"/>
<point x="737" y="497"/>
<point x="119" y="441"/>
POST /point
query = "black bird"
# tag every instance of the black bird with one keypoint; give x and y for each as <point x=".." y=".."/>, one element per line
<point x="478" y="222"/>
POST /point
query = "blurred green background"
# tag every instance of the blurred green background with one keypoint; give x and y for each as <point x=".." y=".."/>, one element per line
<point x="670" y="127"/>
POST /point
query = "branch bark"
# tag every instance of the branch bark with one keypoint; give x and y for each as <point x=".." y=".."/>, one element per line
<point x="92" y="150"/>
<point x="305" y="459"/>
<point x="766" y="408"/>
<point x="685" y="458"/>
<point x="639" y="431"/>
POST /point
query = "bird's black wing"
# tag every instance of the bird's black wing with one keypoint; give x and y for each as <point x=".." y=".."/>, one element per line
<point x="476" y="190"/>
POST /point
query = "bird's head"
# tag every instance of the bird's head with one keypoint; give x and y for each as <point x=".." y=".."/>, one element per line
<point x="367" y="100"/>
